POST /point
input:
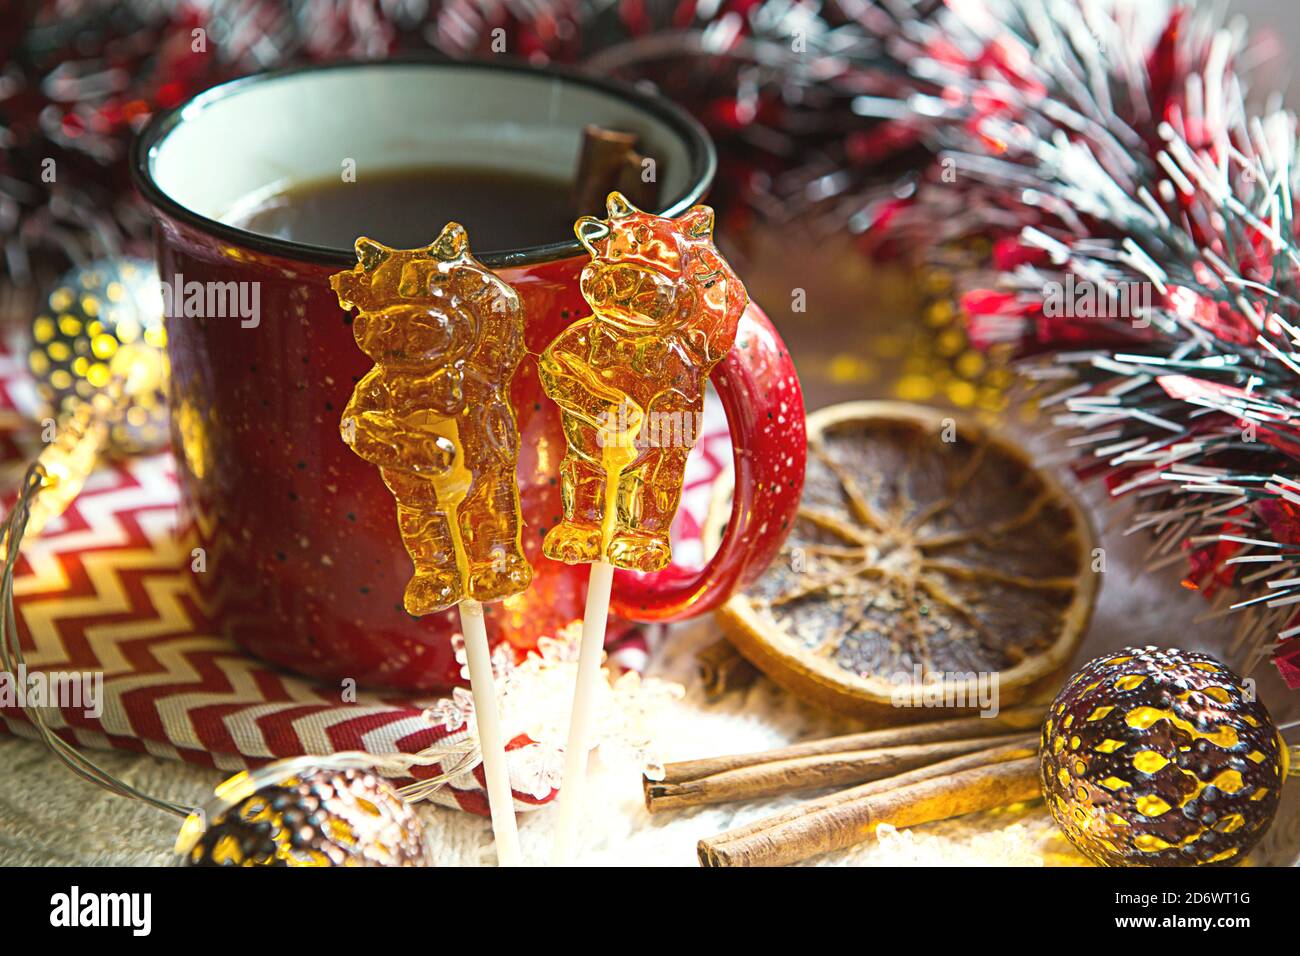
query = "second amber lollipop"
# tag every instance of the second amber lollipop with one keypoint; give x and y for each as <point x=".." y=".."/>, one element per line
<point x="629" y="380"/>
<point x="434" y="415"/>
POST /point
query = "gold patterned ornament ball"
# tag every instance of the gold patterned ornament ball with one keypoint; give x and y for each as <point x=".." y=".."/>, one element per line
<point x="320" y="818"/>
<point x="1156" y="757"/>
<point x="101" y="329"/>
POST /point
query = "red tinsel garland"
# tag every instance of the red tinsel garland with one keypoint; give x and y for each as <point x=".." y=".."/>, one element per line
<point x="1110" y="152"/>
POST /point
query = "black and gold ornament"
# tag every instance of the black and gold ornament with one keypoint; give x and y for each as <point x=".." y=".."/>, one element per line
<point x="313" y="817"/>
<point x="101" y="332"/>
<point x="1161" y="758"/>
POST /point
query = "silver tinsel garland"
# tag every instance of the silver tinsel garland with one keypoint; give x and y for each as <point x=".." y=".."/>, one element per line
<point x="1115" y="155"/>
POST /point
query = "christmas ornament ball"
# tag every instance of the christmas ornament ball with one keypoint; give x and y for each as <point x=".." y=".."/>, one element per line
<point x="1156" y="757"/>
<point x="102" y="323"/>
<point x="314" y="818"/>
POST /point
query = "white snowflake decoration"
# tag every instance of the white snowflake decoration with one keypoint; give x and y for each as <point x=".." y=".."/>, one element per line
<point x="535" y="697"/>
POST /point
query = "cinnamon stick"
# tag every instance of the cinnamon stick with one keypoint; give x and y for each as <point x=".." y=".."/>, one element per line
<point x="722" y="669"/>
<point x="812" y="772"/>
<point x="1011" y="720"/>
<point x="607" y="159"/>
<point x="976" y="781"/>
<point x="1013" y="749"/>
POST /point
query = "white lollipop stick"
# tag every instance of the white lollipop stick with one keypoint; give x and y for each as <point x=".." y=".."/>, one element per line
<point x="501" y="799"/>
<point x="584" y="710"/>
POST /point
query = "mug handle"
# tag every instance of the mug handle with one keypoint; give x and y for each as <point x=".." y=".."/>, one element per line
<point x="761" y="395"/>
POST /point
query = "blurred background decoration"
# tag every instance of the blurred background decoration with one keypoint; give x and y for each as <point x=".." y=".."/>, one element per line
<point x="778" y="83"/>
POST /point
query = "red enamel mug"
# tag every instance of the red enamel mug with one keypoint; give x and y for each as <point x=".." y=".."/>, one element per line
<point x="301" y="559"/>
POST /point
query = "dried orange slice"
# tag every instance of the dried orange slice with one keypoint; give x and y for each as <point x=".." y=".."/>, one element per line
<point x="928" y="555"/>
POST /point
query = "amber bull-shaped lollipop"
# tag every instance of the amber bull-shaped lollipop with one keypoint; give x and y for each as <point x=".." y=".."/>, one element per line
<point x="434" y="414"/>
<point x="629" y="379"/>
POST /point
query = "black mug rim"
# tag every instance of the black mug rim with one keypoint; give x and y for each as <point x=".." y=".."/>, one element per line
<point x="699" y="146"/>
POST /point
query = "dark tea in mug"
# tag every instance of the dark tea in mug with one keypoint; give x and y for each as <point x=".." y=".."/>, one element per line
<point x="405" y="208"/>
